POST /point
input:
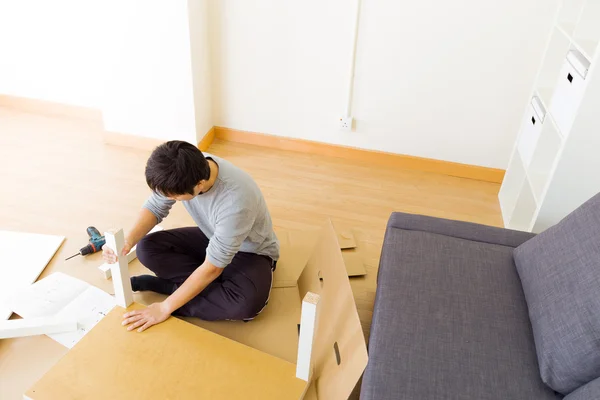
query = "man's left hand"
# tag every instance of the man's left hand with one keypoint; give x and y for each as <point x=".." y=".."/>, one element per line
<point x="144" y="319"/>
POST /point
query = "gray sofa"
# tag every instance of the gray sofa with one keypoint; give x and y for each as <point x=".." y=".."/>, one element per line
<point x="467" y="311"/>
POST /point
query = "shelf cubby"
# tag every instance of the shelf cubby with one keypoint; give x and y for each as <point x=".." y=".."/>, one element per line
<point x="511" y="187"/>
<point x="524" y="210"/>
<point x="587" y="30"/>
<point x="558" y="48"/>
<point x="544" y="156"/>
<point x="568" y="16"/>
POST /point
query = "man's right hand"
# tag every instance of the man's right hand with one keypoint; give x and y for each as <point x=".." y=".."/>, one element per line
<point x="109" y="255"/>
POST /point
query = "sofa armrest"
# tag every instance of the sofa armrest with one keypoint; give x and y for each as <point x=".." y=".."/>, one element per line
<point x="590" y="390"/>
<point x="459" y="229"/>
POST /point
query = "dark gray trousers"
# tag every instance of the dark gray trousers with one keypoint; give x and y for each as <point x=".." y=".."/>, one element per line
<point x="239" y="293"/>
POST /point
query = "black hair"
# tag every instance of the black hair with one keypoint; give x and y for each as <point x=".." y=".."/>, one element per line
<point x="175" y="168"/>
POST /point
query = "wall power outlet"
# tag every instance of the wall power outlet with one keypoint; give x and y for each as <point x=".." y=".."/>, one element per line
<point x="346" y="123"/>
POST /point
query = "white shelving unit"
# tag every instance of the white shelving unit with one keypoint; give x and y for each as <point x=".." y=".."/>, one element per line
<point x="555" y="164"/>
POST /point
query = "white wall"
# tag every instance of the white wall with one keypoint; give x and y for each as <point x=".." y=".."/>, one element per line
<point x="200" y="45"/>
<point x="53" y="50"/>
<point x="149" y="89"/>
<point x="448" y="82"/>
<point x="444" y="80"/>
<point x="144" y="63"/>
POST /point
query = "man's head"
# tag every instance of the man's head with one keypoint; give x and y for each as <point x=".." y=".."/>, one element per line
<point x="178" y="170"/>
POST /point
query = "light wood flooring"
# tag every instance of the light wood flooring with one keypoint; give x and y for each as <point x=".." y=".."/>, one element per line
<point x="58" y="177"/>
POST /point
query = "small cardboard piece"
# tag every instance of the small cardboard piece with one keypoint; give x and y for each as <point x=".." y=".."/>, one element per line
<point x="346" y="239"/>
<point x="354" y="263"/>
<point x="174" y="360"/>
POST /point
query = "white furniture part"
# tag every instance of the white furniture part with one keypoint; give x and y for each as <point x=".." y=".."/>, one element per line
<point x="115" y="240"/>
<point x="63" y="297"/>
<point x="36" y="326"/>
<point x="24" y="256"/>
<point x="308" y="328"/>
<point x="555" y="164"/>
<point x="132" y="255"/>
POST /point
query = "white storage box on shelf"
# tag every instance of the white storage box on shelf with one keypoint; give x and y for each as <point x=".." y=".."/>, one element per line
<point x="530" y="129"/>
<point x="569" y="91"/>
<point x="546" y="152"/>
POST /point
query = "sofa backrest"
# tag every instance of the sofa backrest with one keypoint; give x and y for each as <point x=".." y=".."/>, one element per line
<point x="560" y="274"/>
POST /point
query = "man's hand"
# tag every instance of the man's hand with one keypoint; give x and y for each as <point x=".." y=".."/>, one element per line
<point x="144" y="319"/>
<point x="109" y="255"/>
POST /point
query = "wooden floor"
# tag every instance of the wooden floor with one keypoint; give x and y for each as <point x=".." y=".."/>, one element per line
<point x="59" y="178"/>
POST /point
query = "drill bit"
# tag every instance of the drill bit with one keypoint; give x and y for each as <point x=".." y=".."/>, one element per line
<point x="75" y="255"/>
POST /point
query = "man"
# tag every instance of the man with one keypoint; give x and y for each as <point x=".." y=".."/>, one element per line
<point x="220" y="269"/>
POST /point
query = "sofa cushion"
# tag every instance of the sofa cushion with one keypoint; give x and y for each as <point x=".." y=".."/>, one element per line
<point x="560" y="274"/>
<point x="450" y="322"/>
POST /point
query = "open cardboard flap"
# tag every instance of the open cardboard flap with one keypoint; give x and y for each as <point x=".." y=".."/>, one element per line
<point x="340" y="351"/>
<point x="295" y="250"/>
<point x="297" y="246"/>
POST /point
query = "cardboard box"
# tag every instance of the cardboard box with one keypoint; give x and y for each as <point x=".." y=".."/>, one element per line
<point x="339" y="351"/>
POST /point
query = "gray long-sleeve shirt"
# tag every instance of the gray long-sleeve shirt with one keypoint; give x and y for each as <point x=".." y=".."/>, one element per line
<point x="233" y="215"/>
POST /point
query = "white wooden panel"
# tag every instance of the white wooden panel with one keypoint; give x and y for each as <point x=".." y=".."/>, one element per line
<point x="531" y="127"/>
<point x="120" y="270"/>
<point x="132" y="255"/>
<point x="61" y="295"/>
<point x="308" y="322"/>
<point x="23" y="257"/>
<point x="47" y="296"/>
<point x="36" y="326"/>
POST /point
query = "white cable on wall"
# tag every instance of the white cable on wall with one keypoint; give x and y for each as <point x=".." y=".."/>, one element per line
<point x="353" y="61"/>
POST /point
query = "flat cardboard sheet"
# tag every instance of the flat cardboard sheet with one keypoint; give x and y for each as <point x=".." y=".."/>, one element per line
<point x="354" y="263"/>
<point x="172" y="360"/>
<point x="23" y="258"/>
<point x="274" y="331"/>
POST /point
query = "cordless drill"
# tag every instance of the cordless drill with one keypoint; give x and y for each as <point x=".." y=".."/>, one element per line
<point x="95" y="244"/>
